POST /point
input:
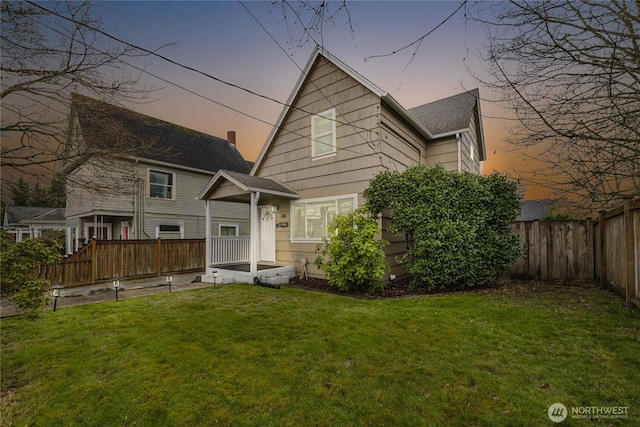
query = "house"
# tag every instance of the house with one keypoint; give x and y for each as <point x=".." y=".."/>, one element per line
<point x="131" y="176"/>
<point x="32" y="222"/>
<point x="535" y="210"/>
<point x="337" y="131"/>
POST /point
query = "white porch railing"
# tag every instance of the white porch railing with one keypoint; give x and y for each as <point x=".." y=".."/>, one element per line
<point x="230" y="249"/>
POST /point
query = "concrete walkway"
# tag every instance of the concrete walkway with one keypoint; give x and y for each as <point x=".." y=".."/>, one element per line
<point x="90" y="294"/>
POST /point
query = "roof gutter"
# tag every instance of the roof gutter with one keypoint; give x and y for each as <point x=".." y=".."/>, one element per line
<point x="165" y="164"/>
<point x="451" y="133"/>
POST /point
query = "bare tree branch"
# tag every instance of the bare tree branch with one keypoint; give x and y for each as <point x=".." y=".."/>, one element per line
<point x="44" y="59"/>
<point x="570" y="73"/>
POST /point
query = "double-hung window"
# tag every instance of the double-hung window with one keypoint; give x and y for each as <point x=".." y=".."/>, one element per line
<point x="311" y="217"/>
<point x="323" y="134"/>
<point x="161" y="184"/>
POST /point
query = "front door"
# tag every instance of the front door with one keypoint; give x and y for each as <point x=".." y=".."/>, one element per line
<point x="267" y="234"/>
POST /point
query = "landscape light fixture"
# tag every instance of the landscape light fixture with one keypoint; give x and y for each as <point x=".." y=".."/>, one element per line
<point x="56" y="294"/>
<point x="169" y="280"/>
<point x="116" y="286"/>
<point x="214" y="273"/>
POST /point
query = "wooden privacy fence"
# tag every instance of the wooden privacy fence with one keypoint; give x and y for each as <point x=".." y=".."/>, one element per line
<point x="104" y="260"/>
<point x="554" y="250"/>
<point x="617" y="250"/>
<point x="607" y="249"/>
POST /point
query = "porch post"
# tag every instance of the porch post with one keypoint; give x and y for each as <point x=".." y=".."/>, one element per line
<point x="207" y="233"/>
<point x="255" y="233"/>
<point x="69" y="241"/>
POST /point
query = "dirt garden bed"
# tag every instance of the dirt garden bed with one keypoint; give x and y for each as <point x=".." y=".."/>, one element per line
<point x="402" y="288"/>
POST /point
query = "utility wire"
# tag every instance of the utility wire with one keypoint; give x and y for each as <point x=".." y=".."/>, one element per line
<point x="357" y="129"/>
<point x="171" y="61"/>
<point x="198" y="94"/>
<point x="419" y="40"/>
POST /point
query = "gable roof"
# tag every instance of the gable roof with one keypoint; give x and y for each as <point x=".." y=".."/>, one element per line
<point x="449" y="114"/>
<point x="427" y="127"/>
<point x="248" y="183"/>
<point x="54" y="215"/>
<point x="134" y="135"/>
<point x="15" y="215"/>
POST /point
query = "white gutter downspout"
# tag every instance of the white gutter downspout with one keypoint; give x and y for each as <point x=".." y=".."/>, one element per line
<point x="459" y="152"/>
<point x="207" y="233"/>
<point x="255" y="233"/>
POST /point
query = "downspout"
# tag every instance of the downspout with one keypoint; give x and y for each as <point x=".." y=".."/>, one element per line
<point x="255" y="237"/>
<point x="459" y="140"/>
<point x="207" y="233"/>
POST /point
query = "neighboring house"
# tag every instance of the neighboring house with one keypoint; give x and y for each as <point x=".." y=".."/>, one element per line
<point x="336" y="133"/>
<point x="131" y="176"/>
<point x="32" y="222"/>
<point x="535" y="210"/>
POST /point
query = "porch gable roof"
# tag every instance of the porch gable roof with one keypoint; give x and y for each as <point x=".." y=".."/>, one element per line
<point x="247" y="183"/>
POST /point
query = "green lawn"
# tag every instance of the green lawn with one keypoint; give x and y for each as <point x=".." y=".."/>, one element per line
<point x="245" y="355"/>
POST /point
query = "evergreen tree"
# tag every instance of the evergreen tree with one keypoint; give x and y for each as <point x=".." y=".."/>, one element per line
<point x="21" y="193"/>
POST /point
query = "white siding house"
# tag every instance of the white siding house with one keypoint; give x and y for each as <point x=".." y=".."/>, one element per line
<point x="132" y="176"/>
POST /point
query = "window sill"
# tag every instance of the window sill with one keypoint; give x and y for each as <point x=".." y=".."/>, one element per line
<point x="309" y="240"/>
<point x="323" y="156"/>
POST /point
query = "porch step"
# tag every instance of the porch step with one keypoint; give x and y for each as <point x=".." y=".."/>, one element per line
<point x="275" y="280"/>
<point x="273" y="276"/>
<point x="220" y="280"/>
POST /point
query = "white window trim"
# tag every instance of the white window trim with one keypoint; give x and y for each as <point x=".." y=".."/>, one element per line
<point x="472" y="156"/>
<point x="294" y="239"/>
<point x="178" y="223"/>
<point x="331" y="112"/>
<point x="236" y="226"/>
<point x="173" y="186"/>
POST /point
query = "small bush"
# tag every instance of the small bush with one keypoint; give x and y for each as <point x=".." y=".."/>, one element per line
<point x="355" y="259"/>
<point x="19" y="263"/>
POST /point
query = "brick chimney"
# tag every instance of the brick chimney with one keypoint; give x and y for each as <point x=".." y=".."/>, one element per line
<point x="231" y="136"/>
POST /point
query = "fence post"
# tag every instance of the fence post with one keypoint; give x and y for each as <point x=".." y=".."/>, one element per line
<point x="94" y="261"/>
<point x="158" y="257"/>
<point x="603" y="244"/>
<point x="629" y="253"/>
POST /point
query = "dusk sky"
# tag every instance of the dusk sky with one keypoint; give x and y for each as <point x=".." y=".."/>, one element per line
<point x="223" y="39"/>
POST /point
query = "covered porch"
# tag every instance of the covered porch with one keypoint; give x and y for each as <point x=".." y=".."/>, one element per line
<point x="242" y="258"/>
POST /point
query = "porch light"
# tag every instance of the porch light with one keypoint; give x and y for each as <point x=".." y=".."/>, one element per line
<point x="56" y="294"/>
<point x="274" y="207"/>
<point x="214" y="273"/>
<point x="169" y="281"/>
<point x="116" y="286"/>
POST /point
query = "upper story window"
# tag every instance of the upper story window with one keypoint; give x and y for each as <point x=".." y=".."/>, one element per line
<point x="311" y="217"/>
<point x="161" y="184"/>
<point x="323" y="134"/>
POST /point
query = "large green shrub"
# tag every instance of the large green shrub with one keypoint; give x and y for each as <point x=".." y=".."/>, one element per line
<point x="460" y="223"/>
<point x="19" y="264"/>
<point x="355" y="259"/>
